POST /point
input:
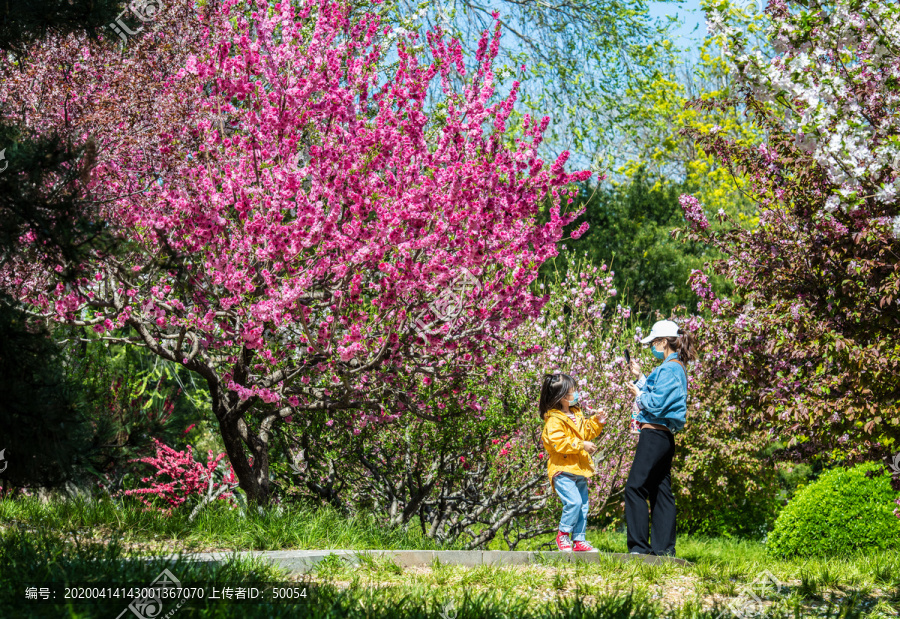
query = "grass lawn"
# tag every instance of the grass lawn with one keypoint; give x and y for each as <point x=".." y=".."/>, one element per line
<point x="71" y="542"/>
<point x="723" y="573"/>
<point x="215" y="528"/>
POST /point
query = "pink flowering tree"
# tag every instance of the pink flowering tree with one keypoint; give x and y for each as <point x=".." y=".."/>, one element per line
<point x="807" y="348"/>
<point x="291" y="219"/>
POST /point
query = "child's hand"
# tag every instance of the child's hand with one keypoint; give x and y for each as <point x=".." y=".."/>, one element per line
<point x="600" y="414"/>
<point x="590" y="447"/>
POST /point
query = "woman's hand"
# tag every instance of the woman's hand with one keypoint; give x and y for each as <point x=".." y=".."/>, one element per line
<point x="590" y="447"/>
<point x="636" y="368"/>
<point x="633" y="389"/>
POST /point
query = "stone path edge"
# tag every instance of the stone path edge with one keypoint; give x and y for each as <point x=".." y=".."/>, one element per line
<point x="302" y="561"/>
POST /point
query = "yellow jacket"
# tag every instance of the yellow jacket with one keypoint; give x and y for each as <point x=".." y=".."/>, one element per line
<point x="564" y="442"/>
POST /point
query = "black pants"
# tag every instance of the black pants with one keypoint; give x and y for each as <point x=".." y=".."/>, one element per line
<point x="650" y="478"/>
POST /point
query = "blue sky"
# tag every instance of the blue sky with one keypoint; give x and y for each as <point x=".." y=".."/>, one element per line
<point x="689" y="13"/>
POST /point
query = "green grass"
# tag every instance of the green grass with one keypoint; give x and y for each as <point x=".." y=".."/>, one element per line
<point x="45" y="556"/>
<point x="722" y="571"/>
<point x="215" y="528"/>
<point x="69" y="542"/>
<point x="845" y="586"/>
<point x="666" y="590"/>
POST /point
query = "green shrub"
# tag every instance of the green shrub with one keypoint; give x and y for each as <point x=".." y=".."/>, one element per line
<point x="843" y="511"/>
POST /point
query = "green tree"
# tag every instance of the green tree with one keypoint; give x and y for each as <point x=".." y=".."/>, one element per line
<point x="129" y="397"/>
<point x="43" y="436"/>
<point x="631" y="217"/>
<point x="41" y="189"/>
<point x="630" y="232"/>
<point x="41" y="433"/>
<point x="654" y="112"/>
<point x="25" y="21"/>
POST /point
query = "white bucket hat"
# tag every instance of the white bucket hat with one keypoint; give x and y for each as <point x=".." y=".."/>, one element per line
<point x="662" y="328"/>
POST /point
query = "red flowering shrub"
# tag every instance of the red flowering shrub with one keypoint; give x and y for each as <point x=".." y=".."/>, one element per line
<point x="179" y="478"/>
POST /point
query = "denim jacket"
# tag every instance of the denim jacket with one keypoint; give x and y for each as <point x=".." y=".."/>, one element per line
<point x="663" y="395"/>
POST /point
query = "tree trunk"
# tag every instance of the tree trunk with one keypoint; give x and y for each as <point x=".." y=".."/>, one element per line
<point x="253" y="480"/>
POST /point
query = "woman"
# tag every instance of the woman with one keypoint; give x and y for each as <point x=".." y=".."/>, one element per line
<point x="662" y="401"/>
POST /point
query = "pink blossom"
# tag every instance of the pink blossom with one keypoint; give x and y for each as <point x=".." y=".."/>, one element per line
<point x="693" y="212"/>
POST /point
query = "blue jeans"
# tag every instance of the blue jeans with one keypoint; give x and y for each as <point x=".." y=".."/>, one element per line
<point x="573" y="491"/>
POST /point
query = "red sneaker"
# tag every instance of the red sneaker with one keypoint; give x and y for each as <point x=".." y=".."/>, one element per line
<point x="583" y="546"/>
<point x="562" y="542"/>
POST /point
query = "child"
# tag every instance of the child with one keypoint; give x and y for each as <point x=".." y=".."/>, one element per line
<point x="662" y="401"/>
<point x="567" y="438"/>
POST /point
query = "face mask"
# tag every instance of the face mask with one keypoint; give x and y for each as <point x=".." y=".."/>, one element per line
<point x="657" y="354"/>
<point x="574" y="399"/>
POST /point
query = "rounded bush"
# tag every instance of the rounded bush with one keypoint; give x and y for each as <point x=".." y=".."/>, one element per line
<point x="841" y="512"/>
